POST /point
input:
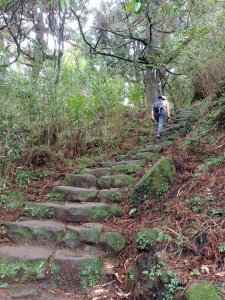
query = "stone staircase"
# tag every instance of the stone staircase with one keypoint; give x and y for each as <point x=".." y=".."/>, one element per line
<point x="64" y="242"/>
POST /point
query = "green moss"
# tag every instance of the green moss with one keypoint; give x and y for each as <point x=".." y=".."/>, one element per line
<point x="68" y="180"/>
<point x="122" y="180"/>
<point x="102" y="212"/>
<point x="154" y="183"/>
<point x="91" y="271"/>
<point x="113" y="240"/>
<point x="18" y="233"/>
<point x="90" y="235"/>
<point x="117" y="210"/>
<point x="126" y="169"/>
<point x="21" y="270"/>
<point x="105" y="181"/>
<point x="71" y="239"/>
<point x="112" y="195"/>
<point x="202" y="290"/>
<point x="97" y="172"/>
<point x="166" y="144"/>
<point x="149" y="156"/>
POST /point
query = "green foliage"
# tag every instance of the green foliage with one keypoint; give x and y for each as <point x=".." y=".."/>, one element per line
<point x="170" y="284"/>
<point x="38" y="211"/>
<point x="64" y="4"/>
<point x="149" y="237"/>
<point x="23" y="177"/>
<point x="163" y="188"/>
<point x="214" y="161"/>
<point x="11" y="270"/>
<point x="217" y="212"/>
<point x="196" y="273"/>
<point x="55" y="196"/>
<point x="12" y="199"/>
<point x="222" y="248"/>
<point x="133" y="211"/>
<point x="194" y="203"/>
<point x="136" y="6"/>
<point x="91" y="273"/>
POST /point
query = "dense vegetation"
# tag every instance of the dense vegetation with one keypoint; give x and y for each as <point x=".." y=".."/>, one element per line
<point x="77" y="81"/>
<point x="54" y="94"/>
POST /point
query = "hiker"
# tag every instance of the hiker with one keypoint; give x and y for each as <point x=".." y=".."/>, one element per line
<point x="160" y="113"/>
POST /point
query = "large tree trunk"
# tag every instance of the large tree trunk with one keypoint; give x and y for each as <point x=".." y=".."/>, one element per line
<point x="151" y="87"/>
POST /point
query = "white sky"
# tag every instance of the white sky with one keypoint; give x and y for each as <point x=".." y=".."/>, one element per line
<point x="94" y="3"/>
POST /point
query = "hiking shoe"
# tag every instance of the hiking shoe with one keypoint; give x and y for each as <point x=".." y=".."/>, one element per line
<point x="158" y="136"/>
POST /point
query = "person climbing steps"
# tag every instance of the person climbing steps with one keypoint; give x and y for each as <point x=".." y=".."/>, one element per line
<point x="160" y="113"/>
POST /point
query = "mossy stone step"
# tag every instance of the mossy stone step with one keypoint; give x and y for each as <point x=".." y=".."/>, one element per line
<point x="81" y="180"/>
<point x="126" y="169"/>
<point x="103" y="182"/>
<point x="53" y="233"/>
<point x="85" y="212"/>
<point x="174" y="127"/>
<point x="179" y="120"/>
<point x="155" y="182"/>
<point x="115" y="181"/>
<point x="124" y="162"/>
<point x="146" y="156"/>
<point x="23" y="263"/>
<point x="114" y="170"/>
<point x="149" y="148"/>
<point x="74" y="194"/>
<point x="76" y="270"/>
<point x="72" y="270"/>
<point x="98" y="172"/>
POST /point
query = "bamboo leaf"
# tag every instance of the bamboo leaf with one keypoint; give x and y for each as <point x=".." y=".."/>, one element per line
<point x="137" y="7"/>
<point x="130" y="6"/>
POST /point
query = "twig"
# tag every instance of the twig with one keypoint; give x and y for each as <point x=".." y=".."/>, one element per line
<point x="125" y="295"/>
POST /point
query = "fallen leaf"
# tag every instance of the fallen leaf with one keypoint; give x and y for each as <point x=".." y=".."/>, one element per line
<point x="205" y="269"/>
<point x="220" y="274"/>
<point x="120" y="294"/>
<point x="118" y="277"/>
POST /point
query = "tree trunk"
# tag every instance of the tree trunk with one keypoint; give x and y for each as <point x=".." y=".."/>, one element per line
<point x="151" y="87"/>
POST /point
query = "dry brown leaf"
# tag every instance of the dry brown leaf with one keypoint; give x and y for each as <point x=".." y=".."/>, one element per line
<point x="118" y="277"/>
<point x="121" y="294"/>
<point x="205" y="269"/>
<point x="220" y="274"/>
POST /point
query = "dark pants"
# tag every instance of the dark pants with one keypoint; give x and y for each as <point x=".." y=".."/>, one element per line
<point x="161" y="119"/>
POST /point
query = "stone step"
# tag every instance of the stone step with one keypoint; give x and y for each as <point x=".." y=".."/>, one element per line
<point x="149" y="148"/>
<point x="123" y="162"/>
<point x="76" y="194"/>
<point x="81" y="180"/>
<point x="103" y="182"/>
<point x="70" y="270"/>
<point x="115" y="181"/>
<point x="174" y="127"/>
<point x="53" y="233"/>
<point x="85" y="212"/>
<point x="148" y="156"/>
<point x="114" y="170"/>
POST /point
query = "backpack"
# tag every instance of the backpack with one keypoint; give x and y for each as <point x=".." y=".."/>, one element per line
<point x="157" y="106"/>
